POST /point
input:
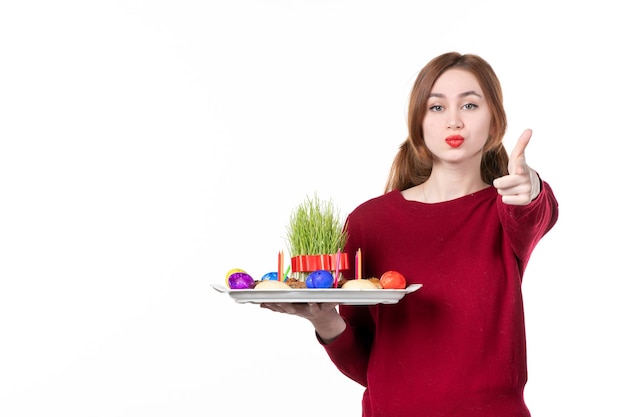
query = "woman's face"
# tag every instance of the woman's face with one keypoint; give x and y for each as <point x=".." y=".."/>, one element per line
<point x="458" y="120"/>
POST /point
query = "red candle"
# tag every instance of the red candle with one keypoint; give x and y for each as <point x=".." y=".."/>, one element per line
<point x="337" y="268"/>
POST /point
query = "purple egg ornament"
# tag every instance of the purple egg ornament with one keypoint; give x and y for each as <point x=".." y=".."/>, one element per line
<point x="240" y="281"/>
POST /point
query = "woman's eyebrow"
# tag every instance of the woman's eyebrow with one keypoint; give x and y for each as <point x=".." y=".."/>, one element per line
<point x="470" y="93"/>
<point x="462" y="95"/>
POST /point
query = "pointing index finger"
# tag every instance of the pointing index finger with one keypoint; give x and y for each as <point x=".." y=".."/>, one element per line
<point x="521" y="144"/>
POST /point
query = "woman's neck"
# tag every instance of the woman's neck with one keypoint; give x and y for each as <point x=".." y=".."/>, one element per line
<point x="446" y="185"/>
<point x="436" y="190"/>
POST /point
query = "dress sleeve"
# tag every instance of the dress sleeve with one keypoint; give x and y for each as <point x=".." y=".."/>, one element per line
<point x="350" y="352"/>
<point x="525" y="225"/>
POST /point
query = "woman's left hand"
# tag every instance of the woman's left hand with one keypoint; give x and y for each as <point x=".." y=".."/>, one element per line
<point x="522" y="185"/>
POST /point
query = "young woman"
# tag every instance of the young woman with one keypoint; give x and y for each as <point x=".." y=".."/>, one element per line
<point x="461" y="217"/>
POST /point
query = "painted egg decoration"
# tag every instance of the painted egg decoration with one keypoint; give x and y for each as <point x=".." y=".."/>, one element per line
<point x="270" y="276"/>
<point x="240" y="281"/>
<point x="392" y="280"/>
<point x="320" y="279"/>
<point x="230" y="272"/>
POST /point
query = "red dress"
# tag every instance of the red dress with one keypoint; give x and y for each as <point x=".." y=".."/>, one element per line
<point x="457" y="346"/>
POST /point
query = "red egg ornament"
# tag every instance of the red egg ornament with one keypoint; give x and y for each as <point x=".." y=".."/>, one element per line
<point x="393" y="280"/>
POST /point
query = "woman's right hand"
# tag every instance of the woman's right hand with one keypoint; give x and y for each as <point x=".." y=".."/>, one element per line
<point x="323" y="316"/>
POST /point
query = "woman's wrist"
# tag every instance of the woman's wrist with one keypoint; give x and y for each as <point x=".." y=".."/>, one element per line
<point x="329" y="329"/>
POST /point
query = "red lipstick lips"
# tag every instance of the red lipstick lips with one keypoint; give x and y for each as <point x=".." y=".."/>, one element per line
<point x="455" y="140"/>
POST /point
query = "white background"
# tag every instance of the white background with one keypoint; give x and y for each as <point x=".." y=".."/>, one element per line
<point x="147" y="147"/>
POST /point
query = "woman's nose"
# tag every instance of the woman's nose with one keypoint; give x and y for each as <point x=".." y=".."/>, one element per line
<point x="454" y="122"/>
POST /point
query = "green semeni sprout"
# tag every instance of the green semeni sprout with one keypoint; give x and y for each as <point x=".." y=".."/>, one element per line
<point x="315" y="228"/>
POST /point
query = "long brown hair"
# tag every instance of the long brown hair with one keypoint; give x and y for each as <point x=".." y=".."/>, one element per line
<point x="413" y="162"/>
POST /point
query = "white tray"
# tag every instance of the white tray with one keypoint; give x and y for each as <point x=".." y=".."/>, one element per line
<point x="315" y="295"/>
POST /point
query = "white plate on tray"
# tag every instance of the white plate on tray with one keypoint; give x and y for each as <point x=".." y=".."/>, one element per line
<point x="318" y="295"/>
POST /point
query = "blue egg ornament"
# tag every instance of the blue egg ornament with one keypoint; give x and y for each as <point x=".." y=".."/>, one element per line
<point x="320" y="279"/>
<point x="270" y="276"/>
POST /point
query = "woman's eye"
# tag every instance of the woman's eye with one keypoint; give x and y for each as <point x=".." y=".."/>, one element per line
<point x="470" y="106"/>
<point x="436" y="107"/>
